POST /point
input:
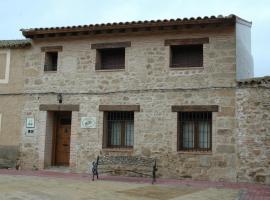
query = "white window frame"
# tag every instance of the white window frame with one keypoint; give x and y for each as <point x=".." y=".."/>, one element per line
<point x="7" y="69"/>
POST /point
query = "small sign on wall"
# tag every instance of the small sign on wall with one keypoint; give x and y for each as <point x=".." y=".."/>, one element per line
<point x="29" y="132"/>
<point x="88" y="122"/>
<point x="30" y="122"/>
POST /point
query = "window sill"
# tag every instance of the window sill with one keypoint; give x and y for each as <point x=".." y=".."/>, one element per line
<point x="186" y="68"/>
<point x="50" y="72"/>
<point x="195" y="152"/>
<point x="117" y="149"/>
<point x="109" y="70"/>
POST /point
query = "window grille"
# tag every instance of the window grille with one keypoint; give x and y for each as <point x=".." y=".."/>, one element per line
<point x="195" y="131"/>
<point x="119" y="129"/>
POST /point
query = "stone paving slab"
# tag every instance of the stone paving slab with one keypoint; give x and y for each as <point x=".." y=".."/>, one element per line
<point x="17" y="187"/>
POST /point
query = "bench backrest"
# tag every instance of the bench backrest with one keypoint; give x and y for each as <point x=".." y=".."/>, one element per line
<point x="126" y="160"/>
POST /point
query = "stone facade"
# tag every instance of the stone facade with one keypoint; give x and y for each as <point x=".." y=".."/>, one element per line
<point x="148" y="81"/>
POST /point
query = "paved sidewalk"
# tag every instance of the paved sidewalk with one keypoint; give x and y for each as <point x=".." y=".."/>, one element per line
<point x="49" y="185"/>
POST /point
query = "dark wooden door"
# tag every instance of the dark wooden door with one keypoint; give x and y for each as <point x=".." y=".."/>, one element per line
<point x="62" y="143"/>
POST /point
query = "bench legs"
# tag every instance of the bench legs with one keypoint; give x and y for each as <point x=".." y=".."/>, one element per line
<point x="154" y="173"/>
<point x="95" y="169"/>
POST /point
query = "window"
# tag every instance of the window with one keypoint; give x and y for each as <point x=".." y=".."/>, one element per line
<point x="118" y="129"/>
<point x="110" y="55"/>
<point x="3" y="61"/>
<point x="186" y="56"/>
<point x="51" y="59"/>
<point x="4" y="66"/>
<point x="112" y="58"/>
<point x="194" y="131"/>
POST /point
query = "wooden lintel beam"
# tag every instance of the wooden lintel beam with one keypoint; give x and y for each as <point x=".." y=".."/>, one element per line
<point x="195" y="108"/>
<point x="135" y="108"/>
<point x="59" y="107"/>
<point x="51" y="48"/>
<point x="111" y="45"/>
<point x="186" y="41"/>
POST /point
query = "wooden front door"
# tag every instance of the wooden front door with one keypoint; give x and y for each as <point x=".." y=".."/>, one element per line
<point x="62" y="138"/>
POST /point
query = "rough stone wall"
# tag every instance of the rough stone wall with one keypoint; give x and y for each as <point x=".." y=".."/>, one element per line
<point x="253" y="132"/>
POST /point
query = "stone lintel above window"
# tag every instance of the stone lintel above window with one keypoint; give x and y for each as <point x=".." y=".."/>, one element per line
<point x="195" y="108"/>
<point x="135" y="108"/>
<point x="187" y="41"/>
<point x="111" y="45"/>
<point x="52" y="48"/>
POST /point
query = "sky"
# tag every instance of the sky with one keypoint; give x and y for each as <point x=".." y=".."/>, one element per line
<point x="17" y="14"/>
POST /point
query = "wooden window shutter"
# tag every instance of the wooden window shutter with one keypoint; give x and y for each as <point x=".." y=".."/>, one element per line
<point x="187" y="56"/>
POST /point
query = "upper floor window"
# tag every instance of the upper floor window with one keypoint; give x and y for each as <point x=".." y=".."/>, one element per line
<point x="51" y="57"/>
<point x="186" y="56"/>
<point x="4" y="66"/>
<point x="186" y="52"/>
<point x="110" y="55"/>
<point x="111" y="58"/>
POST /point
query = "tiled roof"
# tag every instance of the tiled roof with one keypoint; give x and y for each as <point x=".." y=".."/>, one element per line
<point x="14" y="43"/>
<point x="134" y="24"/>
<point x="255" y="81"/>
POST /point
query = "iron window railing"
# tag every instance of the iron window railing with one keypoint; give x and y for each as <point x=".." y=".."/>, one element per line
<point x="50" y="67"/>
<point x="194" y="131"/>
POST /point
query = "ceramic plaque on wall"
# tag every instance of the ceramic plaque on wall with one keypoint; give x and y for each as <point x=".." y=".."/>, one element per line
<point x="30" y="122"/>
<point x="88" y="122"/>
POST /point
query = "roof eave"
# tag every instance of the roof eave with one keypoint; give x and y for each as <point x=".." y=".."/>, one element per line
<point x="28" y="33"/>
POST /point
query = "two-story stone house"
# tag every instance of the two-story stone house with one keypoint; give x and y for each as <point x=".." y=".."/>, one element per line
<point x="164" y="89"/>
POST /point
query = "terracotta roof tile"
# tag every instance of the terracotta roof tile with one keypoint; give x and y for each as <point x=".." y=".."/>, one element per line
<point x="14" y="43"/>
<point x="134" y="24"/>
<point x="255" y="81"/>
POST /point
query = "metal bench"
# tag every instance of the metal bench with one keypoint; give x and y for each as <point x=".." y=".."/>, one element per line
<point x="128" y="164"/>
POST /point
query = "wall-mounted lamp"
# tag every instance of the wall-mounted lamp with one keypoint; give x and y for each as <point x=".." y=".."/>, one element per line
<point x="60" y="98"/>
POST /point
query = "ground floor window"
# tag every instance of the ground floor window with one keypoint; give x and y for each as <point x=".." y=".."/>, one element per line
<point x="118" y="129"/>
<point x="195" y="131"/>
